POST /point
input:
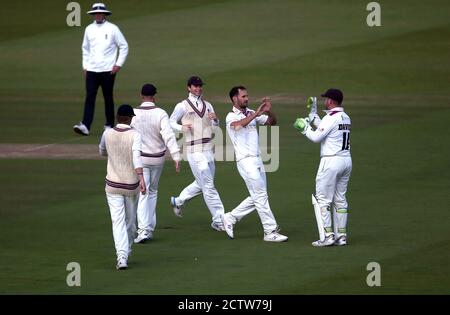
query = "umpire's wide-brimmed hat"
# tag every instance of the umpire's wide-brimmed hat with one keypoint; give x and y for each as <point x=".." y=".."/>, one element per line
<point x="99" y="8"/>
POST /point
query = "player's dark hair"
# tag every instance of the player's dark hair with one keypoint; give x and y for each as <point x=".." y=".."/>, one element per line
<point x="123" y="119"/>
<point x="235" y="91"/>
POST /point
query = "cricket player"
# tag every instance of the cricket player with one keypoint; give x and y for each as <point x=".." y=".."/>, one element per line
<point x="152" y="123"/>
<point x="242" y="129"/>
<point x="333" y="175"/>
<point x="197" y="120"/>
<point x="124" y="180"/>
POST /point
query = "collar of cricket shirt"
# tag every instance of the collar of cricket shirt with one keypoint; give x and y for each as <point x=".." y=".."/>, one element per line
<point x="245" y="112"/>
<point x="147" y="105"/>
<point x="334" y="110"/>
<point x="122" y="127"/>
<point x="196" y="99"/>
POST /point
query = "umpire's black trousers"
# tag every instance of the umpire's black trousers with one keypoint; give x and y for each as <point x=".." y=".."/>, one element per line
<point x="93" y="81"/>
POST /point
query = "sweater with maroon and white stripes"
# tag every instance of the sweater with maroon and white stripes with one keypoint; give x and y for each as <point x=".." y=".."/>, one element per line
<point x="153" y="124"/>
<point x="122" y="145"/>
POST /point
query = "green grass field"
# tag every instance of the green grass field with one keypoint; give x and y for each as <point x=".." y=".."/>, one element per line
<point x="396" y="82"/>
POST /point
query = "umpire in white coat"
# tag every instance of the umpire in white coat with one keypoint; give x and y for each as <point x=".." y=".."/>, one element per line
<point x="104" y="53"/>
<point x="153" y="124"/>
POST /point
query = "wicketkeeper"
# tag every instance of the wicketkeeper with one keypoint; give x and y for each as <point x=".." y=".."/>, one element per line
<point x="333" y="175"/>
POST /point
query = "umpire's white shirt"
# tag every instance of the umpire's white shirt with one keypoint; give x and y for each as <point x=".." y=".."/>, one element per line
<point x="245" y="140"/>
<point x="100" y="45"/>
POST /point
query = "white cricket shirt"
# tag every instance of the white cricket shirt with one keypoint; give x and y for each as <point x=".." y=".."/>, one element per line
<point x="100" y="45"/>
<point x="245" y="140"/>
<point x="333" y="133"/>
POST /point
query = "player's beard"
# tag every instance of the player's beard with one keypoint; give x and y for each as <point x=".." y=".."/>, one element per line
<point x="243" y="105"/>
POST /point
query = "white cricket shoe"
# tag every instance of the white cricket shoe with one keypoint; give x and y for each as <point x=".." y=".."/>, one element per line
<point x="341" y="240"/>
<point x="143" y="236"/>
<point x="328" y="241"/>
<point x="217" y="226"/>
<point x="275" y="237"/>
<point x="178" y="210"/>
<point x="122" y="263"/>
<point x="81" y="129"/>
<point x="227" y="225"/>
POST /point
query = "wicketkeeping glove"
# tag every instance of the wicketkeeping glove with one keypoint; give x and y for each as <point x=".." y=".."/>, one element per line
<point x="302" y="124"/>
<point x="311" y="104"/>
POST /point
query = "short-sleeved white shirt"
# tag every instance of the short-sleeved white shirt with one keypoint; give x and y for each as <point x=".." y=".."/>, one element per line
<point x="245" y="140"/>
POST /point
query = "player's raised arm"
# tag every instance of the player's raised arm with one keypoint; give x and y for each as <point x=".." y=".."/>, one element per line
<point x="245" y="121"/>
<point x="311" y="104"/>
<point x="240" y="102"/>
<point x="266" y="108"/>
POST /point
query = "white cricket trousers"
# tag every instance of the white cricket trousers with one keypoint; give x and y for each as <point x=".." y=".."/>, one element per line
<point x="123" y="217"/>
<point x="332" y="180"/>
<point x="254" y="175"/>
<point x="146" y="210"/>
<point x="203" y="169"/>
